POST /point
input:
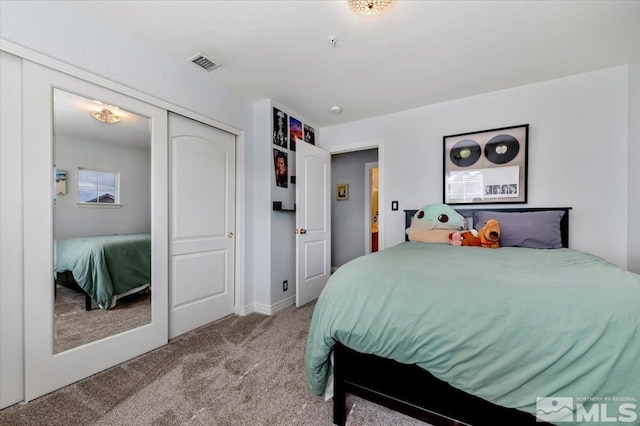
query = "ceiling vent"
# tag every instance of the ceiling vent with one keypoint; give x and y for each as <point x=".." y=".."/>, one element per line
<point x="204" y="63"/>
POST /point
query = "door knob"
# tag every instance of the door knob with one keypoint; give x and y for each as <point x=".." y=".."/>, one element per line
<point x="303" y="231"/>
<point x="230" y="235"/>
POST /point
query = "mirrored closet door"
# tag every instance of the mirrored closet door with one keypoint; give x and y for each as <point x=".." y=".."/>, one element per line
<point x="95" y="228"/>
<point x="101" y="220"/>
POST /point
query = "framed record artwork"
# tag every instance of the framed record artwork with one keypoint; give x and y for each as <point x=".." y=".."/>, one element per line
<point x="486" y="167"/>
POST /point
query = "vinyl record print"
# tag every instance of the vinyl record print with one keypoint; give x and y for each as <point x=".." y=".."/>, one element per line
<point x="501" y="149"/>
<point x="465" y="153"/>
<point x="486" y="166"/>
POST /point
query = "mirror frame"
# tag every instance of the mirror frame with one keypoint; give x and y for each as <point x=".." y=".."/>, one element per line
<point x="44" y="370"/>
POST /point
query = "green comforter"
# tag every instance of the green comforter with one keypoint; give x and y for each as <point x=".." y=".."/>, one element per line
<point x="507" y="325"/>
<point x="105" y="266"/>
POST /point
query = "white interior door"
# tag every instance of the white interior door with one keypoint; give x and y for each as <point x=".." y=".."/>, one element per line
<point x="44" y="370"/>
<point x="201" y="286"/>
<point x="313" y="221"/>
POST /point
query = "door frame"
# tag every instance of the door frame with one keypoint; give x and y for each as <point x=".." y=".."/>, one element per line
<point x="360" y="146"/>
<point x="367" y="205"/>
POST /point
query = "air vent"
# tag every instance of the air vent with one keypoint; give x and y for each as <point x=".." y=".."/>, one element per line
<point x="203" y="62"/>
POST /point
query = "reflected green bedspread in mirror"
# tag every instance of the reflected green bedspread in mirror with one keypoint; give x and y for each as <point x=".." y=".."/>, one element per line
<point x="507" y="325"/>
<point x="105" y="266"/>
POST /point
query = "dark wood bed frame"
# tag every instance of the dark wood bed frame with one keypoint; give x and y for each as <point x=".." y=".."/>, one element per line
<point x="66" y="279"/>
<point x="412" y="390"/>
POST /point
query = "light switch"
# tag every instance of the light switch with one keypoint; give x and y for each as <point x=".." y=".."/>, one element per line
<point x="394" y="205"/>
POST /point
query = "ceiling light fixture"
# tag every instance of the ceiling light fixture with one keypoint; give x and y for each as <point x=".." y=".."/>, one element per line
<point x="106" y="116"/>
<point x="368" y="7"/>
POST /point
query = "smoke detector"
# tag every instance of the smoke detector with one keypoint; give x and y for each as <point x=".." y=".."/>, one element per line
<point x="203" y="62"/>
<point x="335" y="109"/>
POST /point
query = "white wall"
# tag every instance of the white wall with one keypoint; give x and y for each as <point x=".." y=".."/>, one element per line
<point x="262" y="172"/>
<point x="633" y="233"/>
<point x="577" y="152"/>
<point x="56" y="29"/>
<point x="134" y="168"/>
<point x="348" y="216"/>
<point x="275" y="257"/>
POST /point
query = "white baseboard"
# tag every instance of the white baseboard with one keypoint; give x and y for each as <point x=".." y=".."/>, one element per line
<point x="245" y="310"/>
<point x="283" y="304"/>
<point x="272" y="309"/>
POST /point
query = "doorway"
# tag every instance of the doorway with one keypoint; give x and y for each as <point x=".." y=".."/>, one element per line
<point x="372" y="208"/>
<point x="351" y="210"/>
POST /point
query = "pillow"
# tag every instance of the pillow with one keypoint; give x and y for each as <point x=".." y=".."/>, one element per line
<point x="540" y="230"/>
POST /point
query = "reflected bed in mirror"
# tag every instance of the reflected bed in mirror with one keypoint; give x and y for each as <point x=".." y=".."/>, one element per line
<point x="102" y="220"/>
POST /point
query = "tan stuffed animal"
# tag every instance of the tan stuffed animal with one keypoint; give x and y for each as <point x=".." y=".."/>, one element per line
<point x="490" y="234"/>
<point x="465" y="238"/>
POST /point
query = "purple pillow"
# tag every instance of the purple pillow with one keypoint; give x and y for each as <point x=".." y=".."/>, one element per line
<point x="540" y="230"/>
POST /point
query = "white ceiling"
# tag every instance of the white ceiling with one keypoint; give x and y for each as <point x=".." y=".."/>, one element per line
<point x="416" y="53"/>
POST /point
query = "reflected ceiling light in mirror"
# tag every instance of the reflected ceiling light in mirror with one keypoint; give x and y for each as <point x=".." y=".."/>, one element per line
<point x="368" y="7"/>
<point x="106" y="116"/>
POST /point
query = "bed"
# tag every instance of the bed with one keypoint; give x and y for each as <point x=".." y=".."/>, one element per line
<point x="105" y="267"/>
<point x="420" y="329"/>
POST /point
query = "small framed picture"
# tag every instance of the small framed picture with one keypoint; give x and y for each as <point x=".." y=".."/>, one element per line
<point x="61" y="182"/>
<point x="342" y="191"/>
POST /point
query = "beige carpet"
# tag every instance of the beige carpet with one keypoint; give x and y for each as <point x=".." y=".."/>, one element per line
<point x="74" y="326"/>
<point x="237" y="371"/>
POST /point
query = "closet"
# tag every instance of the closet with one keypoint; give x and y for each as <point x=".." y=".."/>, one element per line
<point x="34" y="97"/>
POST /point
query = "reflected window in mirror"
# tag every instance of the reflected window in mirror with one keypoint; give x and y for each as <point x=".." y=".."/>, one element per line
<point x="98" y="187"/>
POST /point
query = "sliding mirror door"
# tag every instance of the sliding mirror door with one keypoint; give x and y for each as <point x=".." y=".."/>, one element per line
<point x="101" y="220"/>
<point x="95" y="228"/>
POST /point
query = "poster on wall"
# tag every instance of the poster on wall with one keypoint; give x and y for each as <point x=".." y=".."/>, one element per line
<point x="281" y="168"/>
<point x="295" y="132"/>
<point x="488" y="166"/>
<point x="61" y="182"/>
<point x="309" y="134"/>
<point x="280" y="132"/>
